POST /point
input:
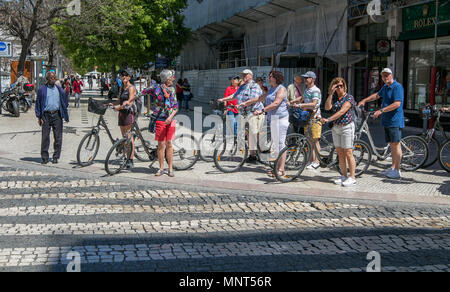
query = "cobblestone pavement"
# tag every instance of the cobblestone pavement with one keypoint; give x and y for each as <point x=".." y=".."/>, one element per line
<point x="115" y="224"/>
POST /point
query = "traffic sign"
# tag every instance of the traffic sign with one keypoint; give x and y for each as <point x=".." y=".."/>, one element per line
<point x="5" y="49"/>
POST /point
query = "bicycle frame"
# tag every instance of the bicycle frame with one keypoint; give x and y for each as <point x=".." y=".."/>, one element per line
<point x="326" y="161"/>
<point x="102" y="123"/>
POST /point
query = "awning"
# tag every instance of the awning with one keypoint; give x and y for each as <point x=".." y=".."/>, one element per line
<point x="428" y="33"/>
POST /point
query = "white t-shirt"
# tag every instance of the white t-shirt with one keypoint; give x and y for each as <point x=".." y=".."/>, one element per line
<point x="311" y="94"/>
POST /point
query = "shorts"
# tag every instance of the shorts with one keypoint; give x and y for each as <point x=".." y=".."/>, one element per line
<point x="344" y="136"/>
<point x="164" y="132"/>
<point x="126" y="119"/>
<point x="393" y="135"/>
<point x="316" y="129"/>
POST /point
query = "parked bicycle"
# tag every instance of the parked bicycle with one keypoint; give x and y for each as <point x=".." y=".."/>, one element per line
<point x="444" y="155"/>
<point x="231" y="154"/>
<point x="414" y="148"/>
<point x="298" y="155"/>
<point x="185" y="151"/>
<point x="433" y="143"/>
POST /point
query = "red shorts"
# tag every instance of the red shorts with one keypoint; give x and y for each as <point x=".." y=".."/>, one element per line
<point x="164" y="132"/>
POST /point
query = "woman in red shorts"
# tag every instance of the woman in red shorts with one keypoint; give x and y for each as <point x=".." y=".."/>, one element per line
<point x="127" y="95"/>
<point x="166" y="109"/>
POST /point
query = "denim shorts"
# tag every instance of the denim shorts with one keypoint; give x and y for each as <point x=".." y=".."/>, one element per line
<point x="393" y="135"/>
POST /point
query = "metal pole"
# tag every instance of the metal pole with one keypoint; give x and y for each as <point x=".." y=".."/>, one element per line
<point x="436" y="33"/>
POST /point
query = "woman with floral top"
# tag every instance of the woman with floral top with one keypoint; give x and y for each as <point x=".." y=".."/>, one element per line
<point x="343" y="129"/>
<point x="165" y="111"/>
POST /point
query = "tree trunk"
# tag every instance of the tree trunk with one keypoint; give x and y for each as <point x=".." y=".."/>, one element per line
<point x="51" y="53"/>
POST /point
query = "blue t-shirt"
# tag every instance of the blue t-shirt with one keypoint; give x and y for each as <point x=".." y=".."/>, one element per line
<point x="391" y="94"/>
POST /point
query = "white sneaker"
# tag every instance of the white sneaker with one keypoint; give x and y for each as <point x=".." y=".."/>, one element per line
<point x="349" y="182"/>
<point x="394" y="174"/>
<point x="313" y="166"/>
<point x="340" y="180"/>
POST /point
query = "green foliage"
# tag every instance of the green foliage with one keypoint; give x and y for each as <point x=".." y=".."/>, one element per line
<point x="110" y="32"/>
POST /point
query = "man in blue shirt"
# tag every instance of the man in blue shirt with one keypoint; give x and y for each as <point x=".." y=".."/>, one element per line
<point x="51" y="109"/>
<point x="392" y="118"/>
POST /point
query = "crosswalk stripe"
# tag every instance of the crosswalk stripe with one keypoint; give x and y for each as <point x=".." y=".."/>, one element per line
<point x="13" y="257"/>
<point x="83" y="210"/>
<point x="25" y="174"/>
<point x="218" y="225"/>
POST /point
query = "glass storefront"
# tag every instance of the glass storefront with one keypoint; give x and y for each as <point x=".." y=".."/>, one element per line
<point x="420" y="61"/>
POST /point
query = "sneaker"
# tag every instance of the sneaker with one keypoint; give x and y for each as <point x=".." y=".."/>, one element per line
<point x="387" y="171"/>
<point x="130" y="164"/>
<point x="394" y="174"/>
<point x="313" y="166"/>
<point x="349" y="182"/>
<point x="340" y="180"/>
<point x="251" y="159"/>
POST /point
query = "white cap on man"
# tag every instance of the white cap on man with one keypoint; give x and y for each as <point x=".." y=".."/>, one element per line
<point x="247" y="71"/>
<point x="387" y="70"/>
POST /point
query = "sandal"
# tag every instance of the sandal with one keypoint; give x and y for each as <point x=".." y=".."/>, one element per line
<point x="159" y="172"/>
<point x="170" y="173"/>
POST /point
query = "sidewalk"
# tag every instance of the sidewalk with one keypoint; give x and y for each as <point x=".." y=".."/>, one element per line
<point x="22" y="137"/>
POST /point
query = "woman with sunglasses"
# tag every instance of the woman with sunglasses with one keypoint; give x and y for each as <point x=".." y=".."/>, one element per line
<point x="343" y="129"/>
<point x="127" y="96"/>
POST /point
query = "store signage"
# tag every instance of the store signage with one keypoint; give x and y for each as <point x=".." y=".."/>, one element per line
<point x="383" y="48"/>
<point x="424" y="16"/>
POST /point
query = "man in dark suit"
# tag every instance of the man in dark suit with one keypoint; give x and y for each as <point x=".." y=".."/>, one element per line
<point x="51" y="109"/>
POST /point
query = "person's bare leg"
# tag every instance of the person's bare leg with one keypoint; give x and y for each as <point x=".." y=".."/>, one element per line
<point x="350" y="162"/>
<point x="169" y="154"/>
<point x="342" y="161"/>
<point x="161" y="154"/>
<point x="396" y="150"/>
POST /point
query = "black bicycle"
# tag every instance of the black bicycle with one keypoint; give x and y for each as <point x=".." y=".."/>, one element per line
<point x="433" y="143"/>
<point x="185" y="149"/>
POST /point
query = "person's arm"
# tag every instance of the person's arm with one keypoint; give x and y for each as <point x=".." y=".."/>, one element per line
<point x="398" y="98"/>
<point x="254" y="100"/>
<point x="345" y="108"/>
<point x="371" y="98"/>
<point x="311" y="105"/>
<point x="37" y="108"/>
<point x="228" y="98"/>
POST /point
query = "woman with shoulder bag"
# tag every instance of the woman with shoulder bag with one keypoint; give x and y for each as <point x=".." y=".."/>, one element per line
<point x="343" y="129"/>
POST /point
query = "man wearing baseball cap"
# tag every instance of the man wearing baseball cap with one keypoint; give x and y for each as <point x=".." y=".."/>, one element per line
<point x="312" y="98"/>
<point x="249" y="90"/>
<point x="392" y="118"/>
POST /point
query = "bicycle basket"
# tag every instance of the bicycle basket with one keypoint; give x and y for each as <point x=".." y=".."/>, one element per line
<point x="96" y="107"/>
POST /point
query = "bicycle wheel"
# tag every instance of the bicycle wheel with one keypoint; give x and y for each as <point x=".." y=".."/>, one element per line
<point x="139" y="149"/>
<point x="207" y="145"/>
<point x="185" y="152"/>
<point x="88" y="149"/>
<point x="444" y="156"/>
<point x="118" y="156"/>
<point x="415" y="153"/>
<point x="363" y="158"/>
<point x="433" y="152"/>
<point x="295" y="162"/>
<point x="229" y="156"/>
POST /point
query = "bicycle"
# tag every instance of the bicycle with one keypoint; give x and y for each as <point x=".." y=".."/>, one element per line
<point x="231" y="160"/>
<point x="184" y="157"/>
<point x="414" y="148"/>
<point x="89" y="145"/>
<point x="433" y="144"/>
<point x="444" y="155"/>
<point x="298" y="155"/>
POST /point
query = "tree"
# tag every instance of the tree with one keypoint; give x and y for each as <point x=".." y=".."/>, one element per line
<point x="25" y="18"/>
<point x="110" y="32"/>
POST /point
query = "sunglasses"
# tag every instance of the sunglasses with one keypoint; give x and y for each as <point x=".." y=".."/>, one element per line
<point x="340" y="86"/>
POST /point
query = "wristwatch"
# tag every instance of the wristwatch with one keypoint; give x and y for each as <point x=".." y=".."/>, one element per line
<point x="263" y="110"/>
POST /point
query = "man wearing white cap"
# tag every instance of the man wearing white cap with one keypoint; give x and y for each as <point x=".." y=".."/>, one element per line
<point x="392" y="118"/>
<point x="249" y="90"/>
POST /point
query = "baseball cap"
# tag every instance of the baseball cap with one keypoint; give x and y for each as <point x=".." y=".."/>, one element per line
<point x="125" y="72"/>
<point x="247" y="71"/>
<point x="309" y="74"/>
<point x="387" y="70"/>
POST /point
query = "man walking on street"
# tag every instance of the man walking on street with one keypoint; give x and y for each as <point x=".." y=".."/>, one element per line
<point x="51" y="109"/>
<point x="392" y="118"/>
